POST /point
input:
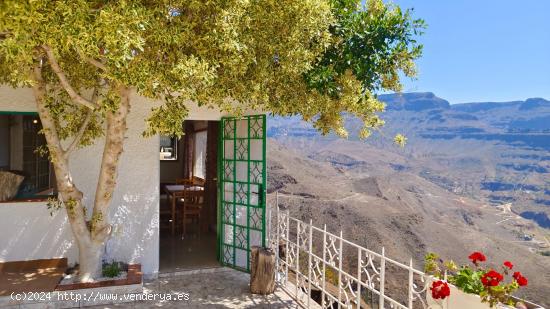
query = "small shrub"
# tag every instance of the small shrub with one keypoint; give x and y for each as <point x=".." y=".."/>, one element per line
<point x="112" y="269"/>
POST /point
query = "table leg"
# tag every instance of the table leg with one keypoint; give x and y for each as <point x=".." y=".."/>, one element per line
<point x="173" y="214"/>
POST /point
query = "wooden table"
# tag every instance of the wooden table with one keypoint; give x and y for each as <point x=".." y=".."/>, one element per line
<point x="178" y="191"/>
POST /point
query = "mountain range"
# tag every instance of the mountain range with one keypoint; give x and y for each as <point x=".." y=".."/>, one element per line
<point x="472" y="177"/>
<point x="497" y="152"/>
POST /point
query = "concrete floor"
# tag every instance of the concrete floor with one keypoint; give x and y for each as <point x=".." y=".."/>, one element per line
<point x="214" y="288"/>
<point x="193" y="252"/>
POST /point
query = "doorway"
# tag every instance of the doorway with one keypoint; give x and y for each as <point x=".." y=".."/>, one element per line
<point x="188" y="198"/>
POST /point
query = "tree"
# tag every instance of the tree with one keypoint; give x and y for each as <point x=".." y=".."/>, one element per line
<point x="82" y="59"/>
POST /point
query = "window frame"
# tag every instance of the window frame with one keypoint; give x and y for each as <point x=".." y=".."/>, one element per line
<point x="28" y="199"/>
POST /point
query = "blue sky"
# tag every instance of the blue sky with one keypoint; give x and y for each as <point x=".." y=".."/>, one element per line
<point x="483" y="50"/>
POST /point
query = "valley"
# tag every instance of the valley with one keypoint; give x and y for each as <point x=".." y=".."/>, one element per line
<point x="475" y="189"/>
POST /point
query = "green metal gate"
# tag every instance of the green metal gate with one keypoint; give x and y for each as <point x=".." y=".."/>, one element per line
<point x="242" y="174"/>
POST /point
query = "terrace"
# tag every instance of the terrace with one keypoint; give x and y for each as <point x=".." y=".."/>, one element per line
<point x="315" y="269"/>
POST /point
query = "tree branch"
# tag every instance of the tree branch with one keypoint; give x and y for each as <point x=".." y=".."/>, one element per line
<point x="79" y="134"/>
<point x="112" y="150"/>
<point x="84" y="126"/>
<point x="96" y="63"/>
<point x="64" y="81"/>
<point x="102" y="233"/>
<point x="48" y="124"/>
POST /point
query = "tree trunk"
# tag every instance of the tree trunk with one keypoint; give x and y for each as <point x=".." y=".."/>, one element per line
<point x="89" y="259"/>
<point x="106" y="184"/>
<point x="68" y="192"/>
<point x="262" y="271"/>
<point x="90" y="239"/>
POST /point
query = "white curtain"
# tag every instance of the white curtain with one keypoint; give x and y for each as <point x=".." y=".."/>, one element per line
<point x="200" y="155"/>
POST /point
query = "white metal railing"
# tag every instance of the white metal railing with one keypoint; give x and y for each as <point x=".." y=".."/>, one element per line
<point x="316" y="265"/>
<point x="319" y="268"/>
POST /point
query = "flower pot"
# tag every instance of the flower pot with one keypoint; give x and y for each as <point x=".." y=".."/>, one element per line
<point x="459" y="300"/>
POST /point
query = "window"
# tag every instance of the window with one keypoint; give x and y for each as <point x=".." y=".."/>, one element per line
<point x="24" y="174"/>
<point x="199" y="167"/>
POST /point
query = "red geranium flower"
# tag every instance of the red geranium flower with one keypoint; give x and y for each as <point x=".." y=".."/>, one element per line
<point x="508" y="264"/>
<point x="491" y="278"/>
<point x="521" y="280"/>
<point x="477" y="257"/>
<point x="440" y="289"/>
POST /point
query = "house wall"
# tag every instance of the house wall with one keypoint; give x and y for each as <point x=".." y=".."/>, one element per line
<point x="27" y="231"/>
<point x="134" y="209"/>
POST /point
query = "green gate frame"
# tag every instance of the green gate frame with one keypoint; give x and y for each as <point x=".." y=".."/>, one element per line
<point x="242" y="193"/>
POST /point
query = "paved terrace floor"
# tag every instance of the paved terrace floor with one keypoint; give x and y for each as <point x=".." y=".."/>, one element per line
<point x="216" y="288"/>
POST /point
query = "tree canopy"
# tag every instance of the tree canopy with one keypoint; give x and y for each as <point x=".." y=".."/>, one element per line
<point x="316" y="58"/>
<point x="320" y="59"/>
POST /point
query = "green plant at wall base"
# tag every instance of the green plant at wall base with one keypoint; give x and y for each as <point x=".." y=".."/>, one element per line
<point x="111" y="270"/>
<point x="488" y="283"/>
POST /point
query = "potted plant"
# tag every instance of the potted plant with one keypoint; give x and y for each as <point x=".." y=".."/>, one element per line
<point x="472" y="286"/>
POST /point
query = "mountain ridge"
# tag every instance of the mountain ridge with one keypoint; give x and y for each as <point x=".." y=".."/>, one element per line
<point x="428" y="95"/>
<point x="472" y="148"/>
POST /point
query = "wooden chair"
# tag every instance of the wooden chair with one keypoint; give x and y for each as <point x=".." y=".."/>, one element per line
<point x="192" y="207"/>
<point x="165" y="213"/>
<point x="197" y="181"/>
<point x="184" y="181"/>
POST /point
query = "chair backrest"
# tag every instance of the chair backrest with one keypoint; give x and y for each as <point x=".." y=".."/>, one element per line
<point x="184" y="181"/>
<point x="198" y="181"/>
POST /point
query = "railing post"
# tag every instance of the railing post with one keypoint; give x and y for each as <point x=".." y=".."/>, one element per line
<point x="411" y="274"/>
<point x="277" y="236"/>
<point x="324" y="265"/>
<point x="297" y="256"/>
<point x="310" y="267"/>
<point x="268" y="233"/>
<point x="340" y="270"/>
<point x="382" y="279"/>
<point x="359" y="257"/>
<point x="287" y="240"/>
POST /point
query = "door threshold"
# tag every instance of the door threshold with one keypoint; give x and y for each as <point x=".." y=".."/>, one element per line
<point x="206" y="270"/>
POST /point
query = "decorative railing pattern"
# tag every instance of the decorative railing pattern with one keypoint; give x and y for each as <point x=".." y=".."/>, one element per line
<point x="322" y="269"/>
<point x="315" y="265"/>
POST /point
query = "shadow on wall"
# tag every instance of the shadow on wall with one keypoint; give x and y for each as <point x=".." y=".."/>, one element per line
<point x="135" y="238"/>
<point x="29" y="232"/>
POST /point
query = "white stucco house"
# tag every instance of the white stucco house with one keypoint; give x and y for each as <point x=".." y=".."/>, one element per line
<point x="227" y="153"/>
<point x="222" y="157"/>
